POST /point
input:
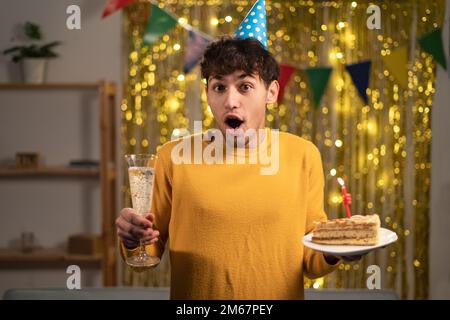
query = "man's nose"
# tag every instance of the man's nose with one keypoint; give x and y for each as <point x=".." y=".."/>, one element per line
<point x="232" y="99"/>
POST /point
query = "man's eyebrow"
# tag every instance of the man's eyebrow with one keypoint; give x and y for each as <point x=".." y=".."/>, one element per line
<point x="217" y="77"/>
<point x="241" y="76"/>
<point x="244" y="75"/>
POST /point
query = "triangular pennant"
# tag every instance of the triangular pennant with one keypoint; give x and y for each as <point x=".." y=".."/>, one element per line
<point x="318" y="80"/>
<point x="114" y="5"/>
<point x="286" y="72"/>
<point x="360" y="73"/>
<point x="254" y="24"/>
<point x="432" y="44"/>
<point x="195" y="46"/>
<point x="397" y="64"/>
<point x="159" y="23"/>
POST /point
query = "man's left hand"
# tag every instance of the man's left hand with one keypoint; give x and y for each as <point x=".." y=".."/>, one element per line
<point x="331" y="259"/>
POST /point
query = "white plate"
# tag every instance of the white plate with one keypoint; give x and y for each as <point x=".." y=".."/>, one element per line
<point x="386" y="237"/>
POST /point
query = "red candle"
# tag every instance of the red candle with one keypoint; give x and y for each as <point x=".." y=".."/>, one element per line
<point x="346" y="196"/>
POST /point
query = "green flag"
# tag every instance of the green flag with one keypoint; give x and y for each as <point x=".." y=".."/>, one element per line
<point x="318" y="79"/>
<point x="432" y="44"/>
<point x="159" y="23"/>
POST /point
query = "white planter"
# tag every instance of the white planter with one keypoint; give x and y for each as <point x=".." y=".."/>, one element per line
<point x="34" y="70"/>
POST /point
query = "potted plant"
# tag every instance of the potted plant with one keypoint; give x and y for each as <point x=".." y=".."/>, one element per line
<point x="33" y="57"/>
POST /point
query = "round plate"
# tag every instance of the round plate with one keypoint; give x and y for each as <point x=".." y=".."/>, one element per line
<point x="386" y="237"/>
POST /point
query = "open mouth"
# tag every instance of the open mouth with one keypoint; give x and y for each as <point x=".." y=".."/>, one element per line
<point x="233" y="122"/>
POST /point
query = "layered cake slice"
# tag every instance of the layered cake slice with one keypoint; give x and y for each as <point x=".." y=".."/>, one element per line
<point x="357" y="230"/>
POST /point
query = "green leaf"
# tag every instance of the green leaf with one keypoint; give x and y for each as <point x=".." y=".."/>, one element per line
<point x="30" y="51"/>
<point x="45" y="53"/>
<point x="33" y="31"/>
<point x="50" y="45"/>
<point x="11" y="49"/>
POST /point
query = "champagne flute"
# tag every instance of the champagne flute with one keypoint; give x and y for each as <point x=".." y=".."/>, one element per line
<point x="141" y="173"/>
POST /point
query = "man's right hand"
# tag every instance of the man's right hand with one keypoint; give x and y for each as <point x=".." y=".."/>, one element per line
<point x="132" y="227"/>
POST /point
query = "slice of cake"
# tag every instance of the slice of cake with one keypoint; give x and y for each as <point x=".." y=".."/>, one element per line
<point x="357" y="230"/>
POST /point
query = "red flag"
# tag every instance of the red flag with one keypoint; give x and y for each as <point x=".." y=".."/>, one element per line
<point x="114" y="5"/>
<point x="286" y="72"/>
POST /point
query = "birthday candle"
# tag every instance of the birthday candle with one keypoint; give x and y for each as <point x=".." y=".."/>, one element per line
<point x="344" y="196"/>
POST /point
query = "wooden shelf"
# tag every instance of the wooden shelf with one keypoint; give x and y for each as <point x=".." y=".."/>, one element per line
<point x="106" y="92"/>
<point x="75" y="86"/>
<point x="12" y="172"/>
<point x="45" y="258"/>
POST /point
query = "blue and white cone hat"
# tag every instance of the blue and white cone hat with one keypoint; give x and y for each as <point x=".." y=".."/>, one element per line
<point x="254" y="24"/>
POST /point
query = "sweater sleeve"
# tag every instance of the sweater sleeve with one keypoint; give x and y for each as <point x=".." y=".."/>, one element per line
<point x="314" y="263"/>
<point x="161" y="207"/>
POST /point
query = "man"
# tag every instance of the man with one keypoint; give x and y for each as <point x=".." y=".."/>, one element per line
<point x="235" y="233"/>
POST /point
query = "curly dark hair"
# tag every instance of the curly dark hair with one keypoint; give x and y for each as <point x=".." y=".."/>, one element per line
<point x="228" y="54"/>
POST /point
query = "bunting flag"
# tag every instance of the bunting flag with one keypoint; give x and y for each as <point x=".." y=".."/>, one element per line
<point x="397" y="64"/>
<point x="159" y="23"/>
<point x="195" y="46"/>
<point x="286" y="72"/>
<point x="432" y="44"/>
<point x="114" y="5"/>
<point x="360" y="73"/>
<point x="318" y="80"/>
<point x="254" y="24"/>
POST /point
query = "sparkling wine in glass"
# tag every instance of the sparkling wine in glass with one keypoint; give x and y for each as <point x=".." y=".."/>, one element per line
<point x="141" y="173"/>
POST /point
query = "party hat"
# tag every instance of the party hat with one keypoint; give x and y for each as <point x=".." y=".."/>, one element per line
<point x="254" y="24"/>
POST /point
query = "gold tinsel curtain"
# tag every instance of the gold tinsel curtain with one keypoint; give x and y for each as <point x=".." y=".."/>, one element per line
<point x="382" y="149"/>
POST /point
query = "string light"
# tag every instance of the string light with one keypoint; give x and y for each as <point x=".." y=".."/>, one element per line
<point x="340" y="25"/>
<point x="318" y="283"/>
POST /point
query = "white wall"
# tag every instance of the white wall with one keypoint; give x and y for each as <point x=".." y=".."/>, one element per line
<point x="440" y="178"/>
<point x="60" y="124"/>
<point x="440" y="193"/>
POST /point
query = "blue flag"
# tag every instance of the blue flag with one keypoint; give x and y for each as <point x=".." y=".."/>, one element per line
<point x="195" y="46"/>
<point x="360" y="73"/>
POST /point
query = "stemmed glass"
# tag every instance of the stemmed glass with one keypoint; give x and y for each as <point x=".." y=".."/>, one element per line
<point x="141" y="173"/>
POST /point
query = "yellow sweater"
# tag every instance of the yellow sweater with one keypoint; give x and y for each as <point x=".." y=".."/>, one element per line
<point x="234" y="233"/>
